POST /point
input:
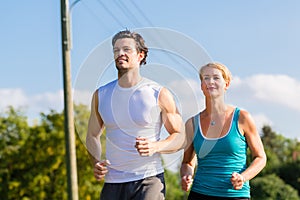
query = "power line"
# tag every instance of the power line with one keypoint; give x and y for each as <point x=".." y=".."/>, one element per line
<point x="95" y="15"/>
<point x="128" y="13"/>
<point x="142" y="13"/>
<point x="160" y="37"/>
<point x="110" y="13"/>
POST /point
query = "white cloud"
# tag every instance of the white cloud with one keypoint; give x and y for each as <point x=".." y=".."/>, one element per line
<point x="33" y="104"/>
<point x="271" y="99"/>
<point x="280" y="89"/>
<point x="14" y="97"/>
<point x="82" y="97"/>
<point x="261" y="120"/>
<point x="37" y="103"/>
<point x="46" y="101"/>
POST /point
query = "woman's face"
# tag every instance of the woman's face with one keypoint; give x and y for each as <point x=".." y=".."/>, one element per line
<point x="213" y="83"/>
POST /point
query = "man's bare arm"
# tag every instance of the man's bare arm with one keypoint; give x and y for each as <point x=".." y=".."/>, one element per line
<point x="95" y="129"/>
<point x="173" y="123"/>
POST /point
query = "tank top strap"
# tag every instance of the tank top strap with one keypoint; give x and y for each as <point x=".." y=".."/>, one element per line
<point x="196" y="124"/>
<point x="236" y="116"/>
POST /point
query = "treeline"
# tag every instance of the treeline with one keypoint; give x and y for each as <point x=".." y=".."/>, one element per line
<point x="33" y="167"/>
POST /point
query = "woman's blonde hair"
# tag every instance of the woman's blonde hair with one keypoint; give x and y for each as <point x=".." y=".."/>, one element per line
<point x="224" y="70"/>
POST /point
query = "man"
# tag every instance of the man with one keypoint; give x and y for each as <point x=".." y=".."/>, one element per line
<point x="133" y="110"/>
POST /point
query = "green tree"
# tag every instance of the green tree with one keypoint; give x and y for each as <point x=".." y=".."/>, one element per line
<point x="34" y="166"/>
<point x="13" y="135"/>
<point x="33" y="158"/>
<point x="279" y="150"/>
<point x="290" y="173"/>
<point x="173" y="186"/>
<point x="44" y="172"/>
<point x="271" y="187"/>
<point x="278" y="144"/>
<point x="283" y="157"/>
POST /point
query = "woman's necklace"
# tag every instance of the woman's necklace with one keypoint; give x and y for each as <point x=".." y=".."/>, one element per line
<point x="212" y="122"/>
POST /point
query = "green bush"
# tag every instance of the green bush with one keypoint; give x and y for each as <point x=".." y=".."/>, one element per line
<point x="271" y="187"/>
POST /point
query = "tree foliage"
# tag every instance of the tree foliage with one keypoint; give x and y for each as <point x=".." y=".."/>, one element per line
<point x="271" y="187"/>
<point x="280" y="179"/>
<point x="13" y="135"/>
<point x="173" y="186"/>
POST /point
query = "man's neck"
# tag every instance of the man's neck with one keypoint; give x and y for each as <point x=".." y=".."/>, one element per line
<point x="129" y="78"/>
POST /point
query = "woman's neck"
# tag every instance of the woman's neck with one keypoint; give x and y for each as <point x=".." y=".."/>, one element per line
<point x="215" y="106"/>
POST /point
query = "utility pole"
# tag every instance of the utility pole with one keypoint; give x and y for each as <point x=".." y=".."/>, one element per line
<point x="68" y="103"/>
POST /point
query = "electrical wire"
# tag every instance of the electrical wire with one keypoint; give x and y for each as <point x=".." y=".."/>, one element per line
<point x="142" y="13"/>
<point x="124" y="9"/>
<point x="110" y="13"/>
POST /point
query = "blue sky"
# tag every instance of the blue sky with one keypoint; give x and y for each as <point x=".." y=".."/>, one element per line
<point x="258" y="40"/>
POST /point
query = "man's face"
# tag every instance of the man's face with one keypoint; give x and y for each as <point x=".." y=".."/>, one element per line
<point x="126" y="55"/>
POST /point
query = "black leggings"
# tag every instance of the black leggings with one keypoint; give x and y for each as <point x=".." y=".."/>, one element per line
<point x="198" y="196"/>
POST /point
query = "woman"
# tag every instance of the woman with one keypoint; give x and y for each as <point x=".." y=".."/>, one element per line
<point x="220" y="136"/>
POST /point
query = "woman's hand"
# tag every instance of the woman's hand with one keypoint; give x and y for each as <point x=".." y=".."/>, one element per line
<point x="186" y="182"/>
<point x="237" y="180"/>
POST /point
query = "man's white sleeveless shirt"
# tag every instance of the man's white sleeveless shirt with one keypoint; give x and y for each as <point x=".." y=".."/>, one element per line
<point x="128" y="113"/>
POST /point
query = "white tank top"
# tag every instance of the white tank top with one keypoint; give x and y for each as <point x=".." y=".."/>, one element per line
<point x="128" y="113"/>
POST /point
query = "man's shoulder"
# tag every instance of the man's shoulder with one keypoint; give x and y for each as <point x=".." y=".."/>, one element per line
<point x="151" y="83"/>
<point x="108" y="85"/>
<point x="106" y="88"/>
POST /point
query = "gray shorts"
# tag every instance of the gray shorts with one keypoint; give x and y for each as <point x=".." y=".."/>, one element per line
<point x="150" y="188"/>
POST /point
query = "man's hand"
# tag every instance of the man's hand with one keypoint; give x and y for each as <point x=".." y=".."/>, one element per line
<point x="100" y="169"/>
<point x="145" y="147"/>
